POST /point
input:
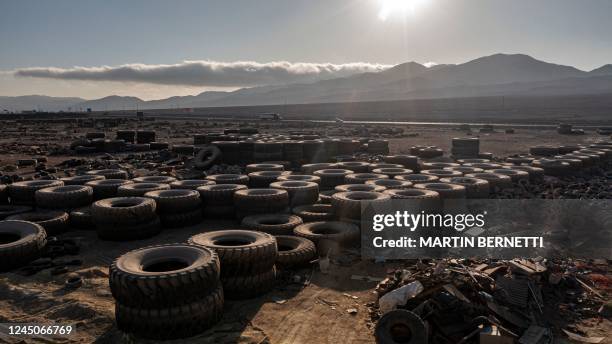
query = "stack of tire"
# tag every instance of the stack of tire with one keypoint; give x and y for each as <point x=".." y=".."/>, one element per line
<point x="347" y="205"/>
<point x="75" y="200"/>
<point x="267" y="151"/>
<point x="260" y="201"/>
<point x="145" y="136"/>
<point x="468" y="147"/>
<point x="327" y="234"/>
<point x="348" y="146"/>
<point x="23" y="193"/>
<point x="293" y="152"/>
<point x="125" y="218"/>
<point x="410" y="162"/>
<point x="177" y="207"/>
<point x="300" y="192"/>
<point x="22" y="242"/>
<point x="218" y="200"/>
<point x="167" y="292"/>
<point x="378" y="147"/>
<point x="314" y="151"/>
<point x="230" y="152"/>
<point x="126" y="135"/>
<point x="247" y="260"/>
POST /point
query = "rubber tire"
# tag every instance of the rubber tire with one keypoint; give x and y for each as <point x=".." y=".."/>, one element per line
<point x="342" y="232"/>
<point x="155" y="179"/>
<point x="206" y="157"/>
<point x="64" y="197"/>
<point x="474" y="188"/>
<point x="359" y="187"/>
<point x="361" y="178"/>
<point x="314" y="212"/>
<point x="53" y="221"/>
<point x="445" y="190"/>
<point x="283" y="223"/>
<point x="243" y="287"/>
<point x="301" y="251"/>
<point x="190" y="184"/>
<point x="106" y="188"/>
<point x="184" y="219"/>
<point x="109" y="173"/>
<point x="257" y="256"/>
<point x="81" y="180"/>
<point x="300" y="193"/>
<point x="140" y="209"/>
<point x="260" y="201"/>
<point x="134" y="287"/>
<point x="416" y="326"/>
<point x="23" y="193"/>
<point x="175" y="201"/>
<point x="229" y="179"/>
<point x="139" y="189"/>
<point x="219" y="195"/>
<point x="9" y="210"/>
<point x="29" y="246"/>
<point x="348" y="204"/>
<point x="174" y="322"/>
<point x="129" y="232"/>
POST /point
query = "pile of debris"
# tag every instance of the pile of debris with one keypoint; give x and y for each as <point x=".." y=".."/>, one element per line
<point x="493" y="301"/>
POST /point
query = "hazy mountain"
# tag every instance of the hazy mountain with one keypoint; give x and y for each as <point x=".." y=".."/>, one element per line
<point x="499" y="74"/>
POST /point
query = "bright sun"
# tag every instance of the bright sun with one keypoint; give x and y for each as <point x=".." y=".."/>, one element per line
<point x="400" y="8"/>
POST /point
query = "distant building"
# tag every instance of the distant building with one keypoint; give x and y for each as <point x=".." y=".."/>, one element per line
<point x="269" y="117"/>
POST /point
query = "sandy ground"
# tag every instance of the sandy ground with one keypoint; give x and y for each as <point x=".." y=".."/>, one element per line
<point x="314" y="311"/>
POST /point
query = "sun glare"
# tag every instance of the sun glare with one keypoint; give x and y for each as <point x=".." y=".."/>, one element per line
<point x="399" y="8"/>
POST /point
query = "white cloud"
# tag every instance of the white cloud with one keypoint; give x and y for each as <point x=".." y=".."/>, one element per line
<point x="206" y="73"/>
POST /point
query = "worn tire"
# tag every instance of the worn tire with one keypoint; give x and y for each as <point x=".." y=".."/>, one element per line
<point x="294" y="251"/>
<point x="123" y="210"/>
<point x="155" y="179"/>
<point x="81" y="180"/>
<point x="445" y="190"/>
<point x="139" y="189"/>
<point x="175" y="201"/>
<point x="190" y="184"/>
<point x="332" y="177"/>
<point x="229" y="179"/>
<point x="106" y="188"/>
<point x="241" y="252"/>
<point x="23" y="193"/>
<point x="264" y="167"/>
<point x="21" y="242"/>
<point x="260" y="201"/>
<point x="386" y="329"/>
<point x="243" y="287"/>
<point x="275" y="224"/>
<point x="390" y="183"/>
<point x="9" y="210"/>
<point x="369" y="187"/>
<point x="173" y="322"/>
<point x="348" y="204"/>
<point x="337" y="231"/>
<point x="300" y="193"/>
<point x="140" y="279"/>
<point x="418" y="178"/>
<point x="206" y="157"/>
<point x="263" y="179"/>
<point x="496" y="181"/>
<point x="53" y="221"/>
<point x="219" y="195"/>
<point x="109" y="173"/>
<point x="474" y="188"/>
<point x="361" y="178"/>
<point x="314" y="212"/>
<point x="64" y="197"/>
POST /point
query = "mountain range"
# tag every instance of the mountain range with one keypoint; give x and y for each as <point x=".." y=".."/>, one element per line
<point x="495" y="75"/>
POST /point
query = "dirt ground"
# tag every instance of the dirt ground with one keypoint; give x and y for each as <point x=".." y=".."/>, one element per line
<point x="306" y="306"/>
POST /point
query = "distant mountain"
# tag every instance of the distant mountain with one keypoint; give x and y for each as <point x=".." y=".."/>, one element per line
<point x="499" y="74"/>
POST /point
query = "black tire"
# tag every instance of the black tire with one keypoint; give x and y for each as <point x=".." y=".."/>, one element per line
<point x="331" y="177"/>
<point x="497" y="182"/>
<point x="312" y="168"/>
<point x="20" y="243"/>
<point x="175" y="201"/>
<point x="81" y="218"/>
<point x="64" y="197"/>
<point x="81" y="180"/>
<point x="443" y="173"/>
<point x="229" y="179"/>
<point x="355" y="166"/>
<point x="390" y="183"/>
<point x="155" y="179"/>
<point x="206" y="157"/>
<point x="294" y="251"/>
<point x="275" y="224"/>
<point x="106" y="188"/>
<point x="23" y="193"/>
<point x="348" y="204"/>
<point x="123" y="210"/>
<point x="325" y="196"/>
<point x="263" y="179"/>
<point x="184" y="219"/>
<point x="260" y="201"/>
<point x="125" y="232"/>
<point x="139" y="189"/>
<point x="164" y="275"/>
<point x="241" y="252"/>
<point x="391" y="172"/>
<point x="9" y="210"/>
<point x="264" y="167"/>
<point x="3" y="194"/>
<point x="337" y="231"/>
<point x="173" y="322"/>
<point x="369" y="187"/>
<point x="109" y="173"/>
<point x="219" y="195"/>
<point x="300" y="193"/>
<point x="515" y="175"/>
<point x="445" y="190"/>
<point x="299" y="178"/>
<point x="418" y="178"/>
<point x="314" y="212"/>
<point x="190" y="184"/>
<point x="400" y="326"/>
<point x="243" y="287"/>
<point x="474" y="188"/>
<point x="53" y="221"/>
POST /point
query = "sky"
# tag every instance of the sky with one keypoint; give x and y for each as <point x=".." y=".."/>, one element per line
<point x="155" y="49"/>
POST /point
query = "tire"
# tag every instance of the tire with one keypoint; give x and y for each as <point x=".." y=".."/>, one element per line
<point x="474" y="188"/>
<point x="497" y="182"/>
<point x="53" y="221"/>
<point x="264" y="167"/>
<point x="81" y="180"/>
<point x="249" y="286"/>
<point x="300" y="193"/>
<point x="515" y="175"/>
<point x="9" y="210"/>
<point x="355" y="166"/>
<point x="314" y="212"/>
<point x="123" y="210"/>
<point x="390" y="183"/>
<point x="263" y="179"/>
<point x="391" y="172"/>
<point x="330" y="178"/>
<point x="275" y="224"/>
<point x="389" y="328"/>
<point x="219" y="195"/>
<point x="299" y="178"/>
<point x="465" y="169"/>
<point x="408" y="161"/>
<point x="535" y="173"/>
<point x="418" y="178"/>
<point x="325" y="196"/>
<point x="173" y="322"/>
<point x="106" y="188"/>
<point x="442" y="173"/>
<point x="139" y="189"/>
<point x="438" y="165"/>
<point x="20" y="243"/>
<point x="348" y="204"/>
<point x="81" y="218"/>
<point x="241" y="252"/>
<point x="175" y="201"/>
<point x="109" y="173"/>
<point x="4" y="194"/>
<point x="446" y="191"/>
<point x="370" y="187"/>
<point x="229" y="179"/>
<point x="413" y="194"/>
<point x="190" y="184"/>
<point x="155" y="179"/>
<point x="361" y="178"/>
<point x="312" y="168"/>
<point x="206" y="157"/>
<point x="140" y="279"/>
<point x="184" y="219"/>
<point x="64" y="197"/>
<point x="123" y="232"/>
<point x="337" y="231"/>
<point x="294" y="251"/>
<point x="23" y="193"/>
<point x="260" y="201"/>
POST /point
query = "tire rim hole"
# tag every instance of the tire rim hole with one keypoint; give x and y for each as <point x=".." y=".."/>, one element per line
<point x="165" y="266"/>
<point x="7" y="238"/>
<point x="284" y="248"/>
<point x="233" y="242"/>
<point x="400" y="333"/>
